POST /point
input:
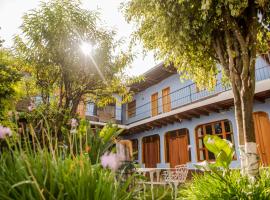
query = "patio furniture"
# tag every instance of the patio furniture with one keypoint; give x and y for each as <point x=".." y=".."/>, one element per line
<point x="168" y="176"/>
<point x="164" y="176"/>
<point x="176" y="176"/>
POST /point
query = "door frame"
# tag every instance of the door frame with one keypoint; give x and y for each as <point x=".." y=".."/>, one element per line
<point x="143" y="150"/>
<point x="166" y="148"/>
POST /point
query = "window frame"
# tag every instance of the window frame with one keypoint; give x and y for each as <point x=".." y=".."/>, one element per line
<point x="166" y="106"/>
<point x="131" y="113"/>
<point x="223" y="133"/>
<point x="154" y="110"/>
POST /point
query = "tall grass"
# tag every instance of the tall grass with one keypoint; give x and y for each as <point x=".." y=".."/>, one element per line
<point x="40" y="166"/>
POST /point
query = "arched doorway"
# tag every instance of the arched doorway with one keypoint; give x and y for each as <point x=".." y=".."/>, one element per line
<point x="150" y="153"/>
<point x="262" y="132"/>
<point x="177" y="152"/>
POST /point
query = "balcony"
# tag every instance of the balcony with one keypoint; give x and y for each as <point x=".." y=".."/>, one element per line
<point x="187" y="95"/>
<point x="105" y="114"/>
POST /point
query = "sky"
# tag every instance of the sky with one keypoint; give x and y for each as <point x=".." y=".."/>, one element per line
<point x="11" y="12"/>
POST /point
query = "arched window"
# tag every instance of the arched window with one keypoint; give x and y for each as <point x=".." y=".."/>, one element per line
<point x="222" y="129"/>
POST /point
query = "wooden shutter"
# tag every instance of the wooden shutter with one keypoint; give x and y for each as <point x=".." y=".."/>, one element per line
<point x="154" y="104"/>
<point x="177" y="147"/>
<point x="131" y="109"/>
<point x="166" y="100"/>
<point x="151" y="155"/>
<point x="262" y="133"/>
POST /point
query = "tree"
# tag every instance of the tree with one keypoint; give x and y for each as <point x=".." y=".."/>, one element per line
<point x="9" y="77"/>
<point x="196" y="36"/>
<point x="50" y="44"/>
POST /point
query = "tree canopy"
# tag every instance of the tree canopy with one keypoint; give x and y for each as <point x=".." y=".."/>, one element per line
<point x="192" y="34"/>
<point x="50" y="44"/>
<point x="9" y="77"/>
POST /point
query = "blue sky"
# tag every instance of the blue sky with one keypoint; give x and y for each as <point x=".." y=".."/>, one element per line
<point x="11" y="12"/>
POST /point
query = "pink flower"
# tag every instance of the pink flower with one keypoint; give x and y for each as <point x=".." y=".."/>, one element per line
<point x="5" y="131"/>
<point x="74" y="123"/>
<point x="110" y="160"/>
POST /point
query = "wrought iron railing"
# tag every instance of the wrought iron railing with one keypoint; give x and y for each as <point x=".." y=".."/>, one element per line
<point x="187" y="95"/>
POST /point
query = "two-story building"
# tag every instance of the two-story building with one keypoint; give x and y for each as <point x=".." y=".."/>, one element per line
<point x="168" y="118"/>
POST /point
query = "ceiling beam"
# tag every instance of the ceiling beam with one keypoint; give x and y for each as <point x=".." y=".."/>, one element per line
<point x="161" y="122"/>
<point x="260" y="99"/>
<point x="213" y="108"/>
<point x="202" y="111"/>
<point x="156" y="124"/>
<point x="184" y="116"/>
<point x="168" y="120"/>
<point x="192" y="114"/>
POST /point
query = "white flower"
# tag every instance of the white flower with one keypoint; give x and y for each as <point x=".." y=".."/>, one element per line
<point x="5" y="131"/>
<point x="110" y="160"/>
<point x="74" y="123"/>
<point x="210" y="141"/>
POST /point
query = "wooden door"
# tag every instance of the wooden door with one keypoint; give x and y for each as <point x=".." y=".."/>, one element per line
<point x="262" y="132"/>
<point x="151" y="151"/>
<point x="177" y="147"/>
<point x="154" y="104"/>
<point x="166" y="100"/>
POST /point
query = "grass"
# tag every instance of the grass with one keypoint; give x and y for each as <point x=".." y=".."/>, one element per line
<point x="38" y="166"/>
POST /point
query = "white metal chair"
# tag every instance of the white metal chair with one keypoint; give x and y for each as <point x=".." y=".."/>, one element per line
<point x="175" y="176"/>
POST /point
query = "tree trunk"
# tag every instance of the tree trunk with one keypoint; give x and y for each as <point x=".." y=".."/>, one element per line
<point x="75" y="104"/>
<point x="239" y="124"/>
<point x="243" y="101"/>
<point x="239" y="62"/>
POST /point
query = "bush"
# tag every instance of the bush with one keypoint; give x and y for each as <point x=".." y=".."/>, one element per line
<point x="42" y="176"/>
<point x="232" y="186"/>
<point x="34" y="166"/>
<point x="219" y="182"/>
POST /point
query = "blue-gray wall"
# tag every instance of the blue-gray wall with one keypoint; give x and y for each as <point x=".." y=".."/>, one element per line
<point x="180" y="98"/>
<point x="191" y="125"/>
<point x="181" y="93"/>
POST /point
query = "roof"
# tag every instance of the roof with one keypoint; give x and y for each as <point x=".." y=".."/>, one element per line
<point x="154" y="76"/>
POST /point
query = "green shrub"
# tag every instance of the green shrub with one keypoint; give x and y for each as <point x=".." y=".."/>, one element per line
<point x="38" y="166"/>
<point x="219" y="182"/>
<point x="232" y="186"/>
<point x="42" y="176"/>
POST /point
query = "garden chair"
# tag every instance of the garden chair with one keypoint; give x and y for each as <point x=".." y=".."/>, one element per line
<point x="176" y="176"/>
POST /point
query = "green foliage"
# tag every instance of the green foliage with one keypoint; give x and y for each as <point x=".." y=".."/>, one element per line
<point x="193" y="34"/>
<point x="98" y="142"/>
<point x="42" y="176"/>
<point x="232" y="186"/>
<point x="50" y="45"/>
<point x="9" y="78"/>
<point x="219" y="182"/>
<point x="38" y="165"/>
<point x="222" y="149"/>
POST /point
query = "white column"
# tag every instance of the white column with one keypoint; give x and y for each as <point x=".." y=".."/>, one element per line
<point x="192" y="145"/>
<point x="162" y="163"/>
<point x="162" y="149"/>
<point x="140" y="150"/>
